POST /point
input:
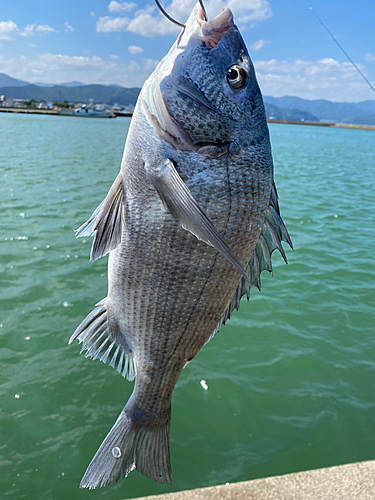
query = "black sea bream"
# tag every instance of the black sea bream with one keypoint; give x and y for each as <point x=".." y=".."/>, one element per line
<point x="189" y="224"/>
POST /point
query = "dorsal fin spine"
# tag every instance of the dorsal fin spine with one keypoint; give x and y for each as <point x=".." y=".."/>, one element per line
<point x="273" y="232"/>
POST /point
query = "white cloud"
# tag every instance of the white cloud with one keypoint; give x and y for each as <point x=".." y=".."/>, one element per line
<point x="322" y="79"/>
<point x="68" y="28"/>
<point x="282" y="66"/>
<point x="59" y="68"/>
<point x="133" y="49"/>
<point x="108" y="24"/>
<point x="92" y="14"/>
<point x="7" y="29"/>
<point x="259" y="44"/>
<point x="252" y="10"/>
<point x="369" y="57"/>
<point x="244" y="10"/>
<point x="114" y="57"/>
<point x="121" y="6"/>
<point x="150" y="22"/>
<point x="37" y="29"/>
<point x="145" y="24"/>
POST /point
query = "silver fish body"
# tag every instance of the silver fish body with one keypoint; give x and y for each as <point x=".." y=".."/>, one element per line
<point x="190" y="222"/>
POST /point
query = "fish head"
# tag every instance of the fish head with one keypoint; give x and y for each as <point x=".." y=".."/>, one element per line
<point x="205" y="90"/>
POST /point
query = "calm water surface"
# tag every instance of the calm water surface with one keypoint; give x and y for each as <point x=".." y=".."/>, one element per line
<point x="290" y="378"/>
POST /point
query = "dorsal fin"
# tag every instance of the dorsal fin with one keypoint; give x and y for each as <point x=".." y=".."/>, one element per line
<point x="106" y="222"/>
<point x="273" y="233"/>
<point x="94" y="335"/>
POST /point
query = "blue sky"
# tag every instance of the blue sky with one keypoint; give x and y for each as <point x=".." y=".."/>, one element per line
<point x="120" y="42"/>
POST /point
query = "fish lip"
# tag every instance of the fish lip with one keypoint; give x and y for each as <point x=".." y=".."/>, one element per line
<point x="213" y="31"/>
<point x="222" y="22"/>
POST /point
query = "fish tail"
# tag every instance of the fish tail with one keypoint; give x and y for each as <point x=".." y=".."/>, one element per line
<point x="133" y="443"/>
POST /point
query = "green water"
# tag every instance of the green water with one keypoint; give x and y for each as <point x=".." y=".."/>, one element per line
<point x="291" y="376"/>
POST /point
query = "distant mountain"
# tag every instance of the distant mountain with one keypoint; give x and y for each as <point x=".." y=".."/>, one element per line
<point x="69" y="84"/>
<point x="364" y="120"/>
<point x="8" y="81"/>
<point x="325" y="110"/>
<point x="98" y="93"/>
<point x="367" y="106"/>
<point x="277" y="113"/>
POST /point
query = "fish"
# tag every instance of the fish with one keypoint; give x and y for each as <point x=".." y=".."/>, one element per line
<point x="189" y="223"/>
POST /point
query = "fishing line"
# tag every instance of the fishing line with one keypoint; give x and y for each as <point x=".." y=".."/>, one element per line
<point x="347" y="55"/>
<point x="176" y="22"/>
<point x="168" y="16"/>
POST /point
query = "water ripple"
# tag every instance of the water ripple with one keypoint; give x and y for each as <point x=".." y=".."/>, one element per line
<point x="290" y="377"/>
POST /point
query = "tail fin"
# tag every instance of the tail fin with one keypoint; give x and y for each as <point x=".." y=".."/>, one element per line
<point x="130" y="446"/>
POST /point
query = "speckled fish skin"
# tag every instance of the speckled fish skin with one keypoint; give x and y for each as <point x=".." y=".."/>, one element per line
<point x="169" y="291"/>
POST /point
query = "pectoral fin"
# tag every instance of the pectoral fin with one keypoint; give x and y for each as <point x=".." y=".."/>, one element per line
<point x="180" y="203"/>
<point x="106" y="222"/>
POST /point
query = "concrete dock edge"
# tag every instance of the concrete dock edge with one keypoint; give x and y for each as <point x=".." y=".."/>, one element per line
<point x="343" y="482"/>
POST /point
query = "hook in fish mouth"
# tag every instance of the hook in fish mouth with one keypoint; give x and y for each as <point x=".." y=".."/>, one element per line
<point x="176" y="22"/>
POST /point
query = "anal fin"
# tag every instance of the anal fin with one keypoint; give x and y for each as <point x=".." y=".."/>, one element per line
<point x="94" y="335"/>
<point x="106" y="222"/>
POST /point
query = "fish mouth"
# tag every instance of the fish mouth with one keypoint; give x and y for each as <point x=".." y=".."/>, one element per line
<point x="212" y="31"/>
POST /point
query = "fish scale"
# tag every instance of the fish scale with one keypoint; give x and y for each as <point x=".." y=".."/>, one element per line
<point x="189" y="223"/>
<point x="168" y="326"/>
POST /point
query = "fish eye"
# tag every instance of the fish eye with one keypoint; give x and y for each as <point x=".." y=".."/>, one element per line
<point x="236" y="77"/>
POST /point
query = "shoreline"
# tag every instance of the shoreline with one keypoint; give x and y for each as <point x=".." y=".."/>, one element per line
<point x="56" y="113"/>
<point x="127" y="114"/>
<point x="325" y="124"/>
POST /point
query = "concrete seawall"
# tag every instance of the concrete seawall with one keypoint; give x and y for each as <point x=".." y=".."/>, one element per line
<point x="325" y="124"/>
<point x="29" y="111"/>
<point x="344" y="482"/>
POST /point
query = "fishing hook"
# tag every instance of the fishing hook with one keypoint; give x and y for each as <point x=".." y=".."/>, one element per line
<point x="204" y="10"/>
<point x="167" y="15"/>
<point x="173" y="20"/>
